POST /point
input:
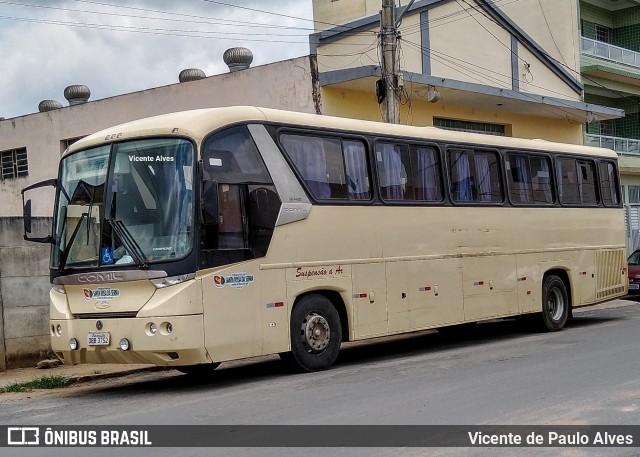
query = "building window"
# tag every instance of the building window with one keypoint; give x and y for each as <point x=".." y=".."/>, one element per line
<point x="14" y="163"/>
<point x="607" y="128"/>
<point x="634" y="194"/>
<point x="468" y="126"/>
<point x="64" y="144"/>
<point x="603" y="33"/>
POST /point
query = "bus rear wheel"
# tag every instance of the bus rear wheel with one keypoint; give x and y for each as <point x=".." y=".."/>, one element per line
<point x="555" y="303"/>
<point x="316" y="334"/>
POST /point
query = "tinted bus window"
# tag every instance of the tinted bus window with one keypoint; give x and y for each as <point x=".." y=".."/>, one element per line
<point x="609" y="188"/>
<point x="408" y="172"/>
<point x="475" y="176"/>
<point x="529" y="179"/>
<point x="331" y="168"/>
<point x="576" y="182"/>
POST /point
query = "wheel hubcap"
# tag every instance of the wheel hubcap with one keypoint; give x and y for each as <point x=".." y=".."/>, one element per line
<point x="315" y="332"/>
<point x="555" y="305"/>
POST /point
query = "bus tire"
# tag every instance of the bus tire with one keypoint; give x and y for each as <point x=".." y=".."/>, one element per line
<point x="555" y="303"/>
<point x="316" y="334"/>
<point x="202" y="370"/>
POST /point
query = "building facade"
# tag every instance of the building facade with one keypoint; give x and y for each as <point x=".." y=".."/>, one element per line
<point x="610" y="67"/>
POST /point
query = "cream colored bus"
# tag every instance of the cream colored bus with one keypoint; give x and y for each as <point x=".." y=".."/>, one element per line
<point x="199" y="237"/>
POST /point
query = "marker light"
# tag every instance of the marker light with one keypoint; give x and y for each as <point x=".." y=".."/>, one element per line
<point x="73" y="344"/>
<point x="124" y="344"/>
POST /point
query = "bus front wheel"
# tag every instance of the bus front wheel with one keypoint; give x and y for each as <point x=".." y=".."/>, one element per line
<point x="316" y="333"/>
<point x="555" y="303"/>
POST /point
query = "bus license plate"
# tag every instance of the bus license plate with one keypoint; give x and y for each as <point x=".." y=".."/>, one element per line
<point x="98" y="339"/>
<point x="634" y="286"/>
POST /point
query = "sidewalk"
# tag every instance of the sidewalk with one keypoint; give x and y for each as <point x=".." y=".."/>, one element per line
<point x="73" y="373"/>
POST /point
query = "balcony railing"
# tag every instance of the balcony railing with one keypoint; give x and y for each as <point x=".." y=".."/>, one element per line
<point x="620" y="145"/>
<point x="610" y="52"/>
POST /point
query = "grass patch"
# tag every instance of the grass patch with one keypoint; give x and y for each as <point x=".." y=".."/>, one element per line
<point x="46" y="382"/>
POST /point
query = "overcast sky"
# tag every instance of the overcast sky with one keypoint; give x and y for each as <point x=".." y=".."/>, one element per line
<point x="46" y="45"/>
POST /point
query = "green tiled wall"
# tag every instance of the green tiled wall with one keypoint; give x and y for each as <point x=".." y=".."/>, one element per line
<point x="628" y="126"/>
<point x="625" y="24"/>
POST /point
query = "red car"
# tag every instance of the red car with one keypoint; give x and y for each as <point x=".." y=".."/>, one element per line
<point x="634" y="272"/>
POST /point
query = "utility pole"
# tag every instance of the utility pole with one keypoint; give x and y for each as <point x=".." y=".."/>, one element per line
<point x="387" y="89"/>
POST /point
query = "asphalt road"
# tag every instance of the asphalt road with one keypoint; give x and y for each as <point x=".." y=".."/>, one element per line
<point x="504" y="373"/>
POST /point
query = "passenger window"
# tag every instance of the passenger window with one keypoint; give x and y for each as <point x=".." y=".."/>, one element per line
<point x="331" y="168"/>
<point x="576" y="182"/>
<point x="408" y="172"/>
<point x="609" y="188"/>
<point x="475" y="176"/>
<point x="393" y="161"/>
<point x="529" y="181"/>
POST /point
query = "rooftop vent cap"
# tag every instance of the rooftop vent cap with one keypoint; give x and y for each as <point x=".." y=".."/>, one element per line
<point x="237" y="58"/>
<point x="77" y="94"/>
<point x="191" y="74"/>
<point x="49" y="105"/>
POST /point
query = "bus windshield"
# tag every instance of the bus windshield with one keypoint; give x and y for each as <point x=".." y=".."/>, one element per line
<point x="126" y="203"/>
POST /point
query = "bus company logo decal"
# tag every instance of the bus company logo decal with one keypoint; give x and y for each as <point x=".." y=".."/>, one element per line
<point x="235" y="280"/>
<point x="102" y="294"/>
<point x="99" y="277"/>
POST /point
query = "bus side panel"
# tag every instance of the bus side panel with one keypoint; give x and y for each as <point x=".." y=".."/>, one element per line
<point x="529" y="283"/>
<point x="276" y="309"/>
<point x="436" y="292"/>
<point x="489" y="285"/>
<point x="370" y="300"/>
<point x="232" y="313"/>
<point x="585" y="277"/>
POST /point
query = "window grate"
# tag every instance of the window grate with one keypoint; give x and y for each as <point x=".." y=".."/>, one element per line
<point x="14" y="163"/>
<point x="469" y="126"/>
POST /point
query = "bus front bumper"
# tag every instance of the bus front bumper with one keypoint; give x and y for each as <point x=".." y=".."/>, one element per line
<point x="176" y="340"/>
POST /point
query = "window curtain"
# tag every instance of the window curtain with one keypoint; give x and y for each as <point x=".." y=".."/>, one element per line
<point x="390" y="172"/>
<point x="355" y="163"/>
<point x="462" y="188"/>
<point x="523" y="179"/>
<point x="484" y="177"/>
<point x="309" y="157"/>
<point x="427" y="176"/>
<point x="560" y="180"/>
<point x="612" y="184"/>
<point x="546" y="185"/>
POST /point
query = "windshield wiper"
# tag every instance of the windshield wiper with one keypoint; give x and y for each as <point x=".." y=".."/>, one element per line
<point x="130" y="244"/>
<point x="67" y="248"/>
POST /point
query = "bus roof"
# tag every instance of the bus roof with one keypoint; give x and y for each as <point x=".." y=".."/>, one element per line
<point x="198" y="123"/>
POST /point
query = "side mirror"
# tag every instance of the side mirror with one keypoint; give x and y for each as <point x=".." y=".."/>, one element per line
<point x="26" y="211"/>
<point x="210" y="202"/>
<point x="26" y="216"/>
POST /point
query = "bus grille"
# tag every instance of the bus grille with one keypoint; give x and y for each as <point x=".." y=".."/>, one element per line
<point x="609" y="265"/>
<point x="120" y="315"/>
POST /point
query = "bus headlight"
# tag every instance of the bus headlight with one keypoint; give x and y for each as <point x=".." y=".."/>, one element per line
<point x="73" y="344"/>
<point x="59" y="330"/>
<point x="152" y="328"/>
<point x="124" y="344"/>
